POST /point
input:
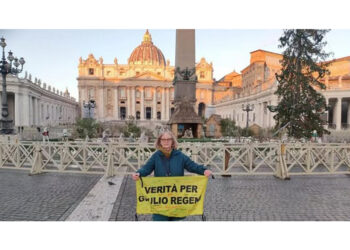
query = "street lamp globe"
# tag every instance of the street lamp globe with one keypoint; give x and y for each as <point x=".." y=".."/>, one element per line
<point x="3" y="43"/>
<point x="10" y="56"/>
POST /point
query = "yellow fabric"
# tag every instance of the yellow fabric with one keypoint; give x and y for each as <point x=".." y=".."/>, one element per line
<point x="171" y="196"/>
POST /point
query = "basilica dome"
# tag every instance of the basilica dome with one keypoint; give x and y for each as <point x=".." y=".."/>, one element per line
<point x="147" y="53"/>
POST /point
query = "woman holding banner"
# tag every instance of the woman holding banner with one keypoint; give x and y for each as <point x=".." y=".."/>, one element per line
<point x="168" y="161"/>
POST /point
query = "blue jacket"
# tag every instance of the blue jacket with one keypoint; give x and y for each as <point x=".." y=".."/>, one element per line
<point x="174" y="166"/>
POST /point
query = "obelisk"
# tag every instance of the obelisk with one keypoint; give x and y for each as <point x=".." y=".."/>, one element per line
<point x="184" y="117"/>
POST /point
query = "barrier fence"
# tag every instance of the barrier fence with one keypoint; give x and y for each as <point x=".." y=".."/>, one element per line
<point x="282" y="160"/>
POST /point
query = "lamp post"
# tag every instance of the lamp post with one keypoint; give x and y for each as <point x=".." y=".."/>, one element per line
<point x="90" y="105"/>
<point x="247" y="108"/>
<point x="7" y="67"/>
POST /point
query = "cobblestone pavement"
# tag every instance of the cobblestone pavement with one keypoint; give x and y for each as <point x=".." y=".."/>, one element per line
<point x="260" y="198"/>
<point x="44" y="197"/>
<point x="54" y="196"/>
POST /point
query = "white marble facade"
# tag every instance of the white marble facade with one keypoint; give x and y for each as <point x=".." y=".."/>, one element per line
<point x="338" y="116"/>
<point x="36" y="104"/>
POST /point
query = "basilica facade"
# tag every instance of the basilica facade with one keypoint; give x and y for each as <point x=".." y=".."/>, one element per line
<point x="142" y="88"/>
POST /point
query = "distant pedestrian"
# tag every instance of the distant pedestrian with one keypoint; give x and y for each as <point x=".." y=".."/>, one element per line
<point x="46" y="134"/>
<point x="65" y="134"/>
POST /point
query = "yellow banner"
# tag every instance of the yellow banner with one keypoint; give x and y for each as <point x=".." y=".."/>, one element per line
<point x="171" y="196"/>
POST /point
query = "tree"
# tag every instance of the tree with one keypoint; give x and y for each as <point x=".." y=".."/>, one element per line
<point x="87" y="127"/>
<point x="228" y="127"/>
<point x="303" y="68"/>
<point x="131" y="128"/>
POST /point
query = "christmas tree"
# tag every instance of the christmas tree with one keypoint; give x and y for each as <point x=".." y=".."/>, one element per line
<point x="303" y="67"/>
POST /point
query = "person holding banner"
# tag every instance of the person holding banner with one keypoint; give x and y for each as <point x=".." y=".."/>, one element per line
<point x="168" y="161"/>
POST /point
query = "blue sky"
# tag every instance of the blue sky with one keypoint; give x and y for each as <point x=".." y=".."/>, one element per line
<point x="53" y="54"/>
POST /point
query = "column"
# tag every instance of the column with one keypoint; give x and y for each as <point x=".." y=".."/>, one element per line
<point x="348" y="115"/>
<point x="133" y="102"/>
<point x="116" y="104"/>
<point x="26" y="111"/>
<point x="36" y="111"/>
<point x="102" y="104"/>
<point x="128" y="102"/>
<point x="31" y="113"/>
<point x="167" y="104"/>
<point x="262" y="114"/>
<point x="163" y="105"/>
<point x="142" y="113"/>
<point x="327" y="118"/>
<point x="154" y="113"/>
<point x="39" y="113"/>
<point x="338" y="114"/>
<point x="17" y="110"/>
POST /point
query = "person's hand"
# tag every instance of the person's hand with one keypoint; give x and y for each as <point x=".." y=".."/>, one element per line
<point x="135" y="176"/>
<point x="208" y="173"/>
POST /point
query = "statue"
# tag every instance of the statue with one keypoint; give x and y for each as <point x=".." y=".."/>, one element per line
<point x="188" y="133"/>
<point x="143" y="138"/>
<point x="105" y="136"/>
<point x="121" y="138"/>
<point x="30" y="77"/>
<point x="131" y="137"/>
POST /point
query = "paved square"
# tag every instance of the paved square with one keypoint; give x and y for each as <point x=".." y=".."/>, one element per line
<point x="54" y="196"/>
<point x="44" y="197"/>
<point x="260" y="198"/>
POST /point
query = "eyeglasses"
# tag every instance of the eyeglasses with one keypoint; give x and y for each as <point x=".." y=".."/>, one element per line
<point x="166" y="139"/>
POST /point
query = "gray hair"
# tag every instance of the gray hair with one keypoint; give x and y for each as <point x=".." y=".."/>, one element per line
<point x="173" y="144"/>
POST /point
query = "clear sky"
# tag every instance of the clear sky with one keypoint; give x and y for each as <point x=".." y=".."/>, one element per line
<point x="52" y="55"/>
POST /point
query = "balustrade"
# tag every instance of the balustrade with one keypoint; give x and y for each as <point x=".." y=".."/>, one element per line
<point x="222" y="158"/>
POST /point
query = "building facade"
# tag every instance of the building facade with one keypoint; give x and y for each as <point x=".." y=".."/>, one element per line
<point x="36" y="104"/>
<point x="142" y="88"/>
<point x="258" y="85"/>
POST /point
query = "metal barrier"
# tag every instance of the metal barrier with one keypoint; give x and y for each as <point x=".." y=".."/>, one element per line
<point x="282" y="160"/>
